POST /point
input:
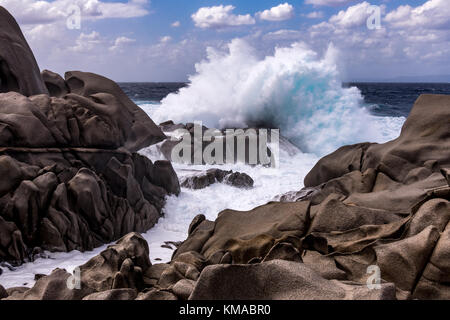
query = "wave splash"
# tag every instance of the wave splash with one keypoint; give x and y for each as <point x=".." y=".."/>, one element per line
<point x="294" y="90"/>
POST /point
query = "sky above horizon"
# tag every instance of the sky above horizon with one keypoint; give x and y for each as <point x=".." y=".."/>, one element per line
<point x="162" y="40"/>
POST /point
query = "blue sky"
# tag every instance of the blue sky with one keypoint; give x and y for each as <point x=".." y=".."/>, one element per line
<point x="161" y="40"/>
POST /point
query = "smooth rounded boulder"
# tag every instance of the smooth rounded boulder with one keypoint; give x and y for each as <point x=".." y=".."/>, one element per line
<point x="19" y="70"/>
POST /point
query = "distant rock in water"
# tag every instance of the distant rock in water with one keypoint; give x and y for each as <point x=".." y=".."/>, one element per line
<point x="19" y="71"/>
<point x="211" y="176"/>
<point x="71" y="177"/>
<point x="252" y="146"/>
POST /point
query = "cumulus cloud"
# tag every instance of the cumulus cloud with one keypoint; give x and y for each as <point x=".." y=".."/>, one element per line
<point x="220" y="17"/>
<point x="411" y="39"/>
<point x="281" y="12"/>
<point x="176" y="24"/>
<point x="354" y="16"/>
<point x="432" y="14"/>
<point x="86" y="42"/>
<point x="31" y="12"/>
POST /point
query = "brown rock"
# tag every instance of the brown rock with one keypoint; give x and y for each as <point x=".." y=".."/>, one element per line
<point x="278" y="280"/>
<point x="120" y="266"/>
<point x="114" y="294"/>
<point x="19" y="71"/>
<point x="156" y="294"/>
<point x="3" y="293"/>
<point x="183" y="288"/>
<point x="55" y="84"/>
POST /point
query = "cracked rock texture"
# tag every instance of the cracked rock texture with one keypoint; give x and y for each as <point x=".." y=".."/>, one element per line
<point x="71" y="177"/>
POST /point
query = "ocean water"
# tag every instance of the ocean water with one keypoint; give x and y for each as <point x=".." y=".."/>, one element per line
<point x="294" y="90"/>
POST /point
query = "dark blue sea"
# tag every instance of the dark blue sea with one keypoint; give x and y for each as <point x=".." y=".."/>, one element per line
<point x="382" y="99"/>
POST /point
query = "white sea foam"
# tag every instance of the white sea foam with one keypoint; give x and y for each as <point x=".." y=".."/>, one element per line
<point x="294" y="90"/>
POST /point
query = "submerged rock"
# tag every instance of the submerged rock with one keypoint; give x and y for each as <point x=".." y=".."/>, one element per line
<point x="211" y="176"/>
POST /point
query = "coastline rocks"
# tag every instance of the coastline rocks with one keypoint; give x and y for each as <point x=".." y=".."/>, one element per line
<point x="141" y="131"/>
<point x="248" y="235"/>
<point x="55" y="84"/>
<point x="365" y="207"/>
<point x="195" y="144"/>
<point x="115" y="274"/>
<point x="279" y="280"/>
<point x="70" y="200"/>
<point x="97" y="121"/>
<point x="19" y="71"/>
<point x="3" y="293"/>
<point x="114" y="294"/>
<point x="51" y="287"/>
<point x="120" y="266"/>
<point x="71" y="177"/>
<point x="211" y="176"/>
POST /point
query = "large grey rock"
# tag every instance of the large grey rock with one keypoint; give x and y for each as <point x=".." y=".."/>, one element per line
<point x="115" y="274"/>
<point x="52" y="287"/>
<point x="19" y="71"/>
<point x="71" y="179"/>
<point x="114" y="294"/>
<point x="120" y="266"/>
<point x="3" y="293"/>
<point x="279" y="280"/>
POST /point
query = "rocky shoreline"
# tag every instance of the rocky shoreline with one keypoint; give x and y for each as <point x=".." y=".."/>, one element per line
<point x="72" y="180"/>
<point x="71" y="175"/>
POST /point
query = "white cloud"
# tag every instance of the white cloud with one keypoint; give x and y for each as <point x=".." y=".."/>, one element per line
<point x="281" y="12"/>
<point x="86" y="42"/>
<point x="165" y="39"/>
<point x="43" y="12"/>
<point x="327" y="2"/>
<point x="283" y="34"/>
<point x="354" y="16"/>
<point x="121" y="42"/>
<point x="176" y="24"/>
<point x="220" y="17"/>
<point x="411" y="39"/>
<point x="432" y="14"/>
<point x="315" y="15"/>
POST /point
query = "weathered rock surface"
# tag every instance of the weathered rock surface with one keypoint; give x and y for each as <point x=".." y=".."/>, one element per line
<point x="192" y="143"/>
<point x="3" y="293"/>
<point x="19" y="71"/>
<point x="73" y="181"/>
<point x="110" y="101"/>
<point x="115" y="274"/>
<point x="279" y="280"/>
<point x="71" y="177"/>
<point x="364" y="206"/>
<point x="211" y="176"/>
